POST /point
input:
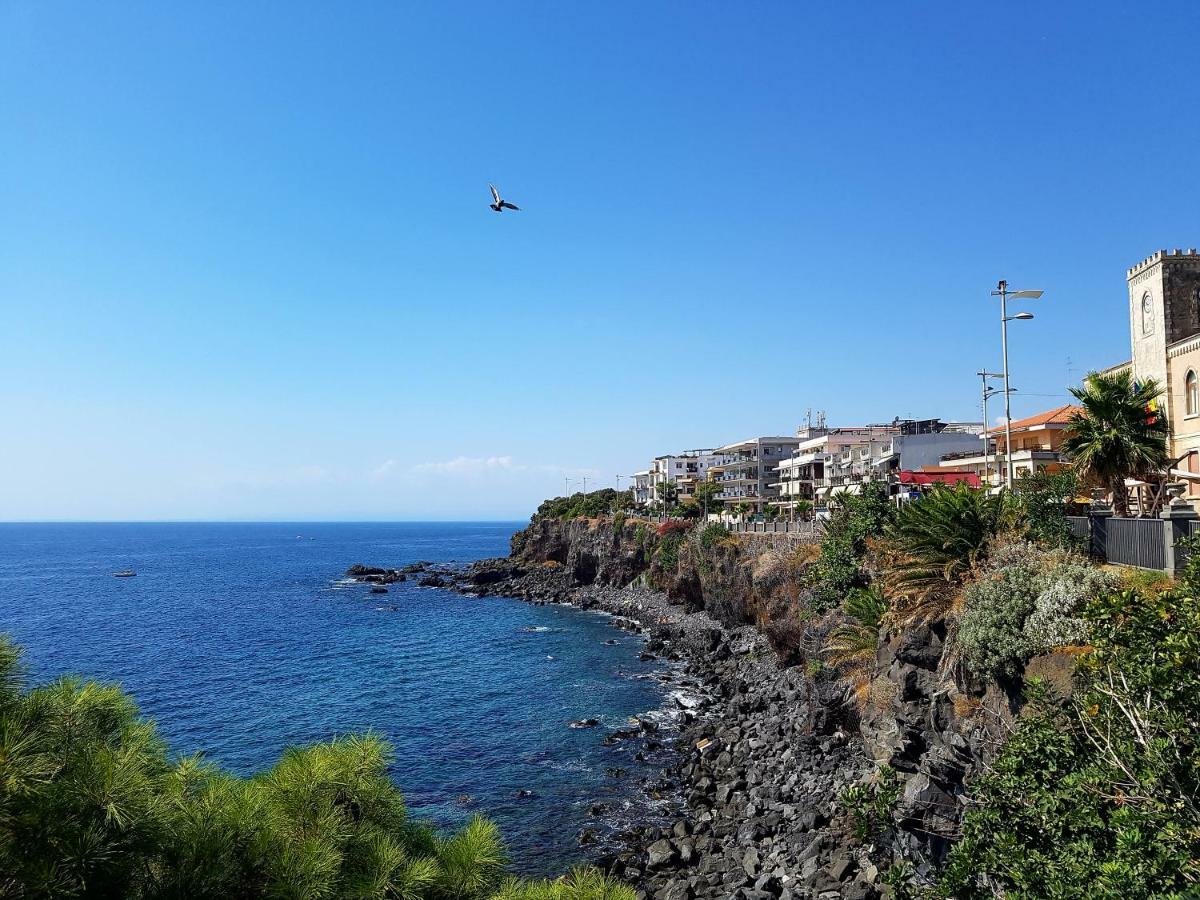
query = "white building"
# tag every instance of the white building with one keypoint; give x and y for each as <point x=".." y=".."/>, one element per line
<point x="640" y="486"/>
<point x="844" y="458"/>
<point x="800" y="474"/>
<point x="746" y="470"/>
<point x="685" y="470"/>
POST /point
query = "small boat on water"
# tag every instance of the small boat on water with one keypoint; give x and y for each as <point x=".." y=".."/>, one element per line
<point x="127" y="573"/>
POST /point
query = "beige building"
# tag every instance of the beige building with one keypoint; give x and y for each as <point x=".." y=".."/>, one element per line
<point x="1164" y="332"/>
<point x="1036" y="447"/>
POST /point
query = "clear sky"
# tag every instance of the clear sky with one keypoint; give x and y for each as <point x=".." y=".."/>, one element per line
<point x="247" y="268"/>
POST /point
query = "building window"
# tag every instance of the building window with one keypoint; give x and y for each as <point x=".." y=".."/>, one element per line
<point x="1147" y="313"/>
<point x="1190" y="392"/>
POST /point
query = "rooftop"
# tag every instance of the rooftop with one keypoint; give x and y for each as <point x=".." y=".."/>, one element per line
<point x="1050" y="418"/>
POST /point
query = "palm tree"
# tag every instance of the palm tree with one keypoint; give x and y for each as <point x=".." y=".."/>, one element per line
<point x="1118" y="434"/>
<point x="853" y="644"/>
<point x="934" y="543"/>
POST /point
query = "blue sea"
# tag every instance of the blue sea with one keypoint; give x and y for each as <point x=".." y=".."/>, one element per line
<point x="240" y="639"/>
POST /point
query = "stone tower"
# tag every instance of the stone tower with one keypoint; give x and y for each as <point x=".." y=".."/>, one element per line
<point x="1164" y="307"/>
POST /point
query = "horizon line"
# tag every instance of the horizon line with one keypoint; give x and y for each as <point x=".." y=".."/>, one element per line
<point x="259" y="521"/>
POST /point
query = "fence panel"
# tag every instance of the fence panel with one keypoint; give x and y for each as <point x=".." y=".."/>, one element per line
<point x="1079" y="526"/>
<point x="1137" y="542"/>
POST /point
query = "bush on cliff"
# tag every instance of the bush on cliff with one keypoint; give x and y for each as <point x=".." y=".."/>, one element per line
<point x="934" y="543"/>
<point x="1095" y="795"/>
<point x="852" y="645"/>
<point x="839" y="567"/>
<point x="1044" y="498"/>
<point x="590" y="505"/>
<point x="92" y="806"/>
<point x="1027" y="601"/>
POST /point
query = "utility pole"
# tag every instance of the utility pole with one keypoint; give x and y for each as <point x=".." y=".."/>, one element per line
<point x="566" y="486"/>
<point x="984" y="375"/>
<point x="585" y="484"/>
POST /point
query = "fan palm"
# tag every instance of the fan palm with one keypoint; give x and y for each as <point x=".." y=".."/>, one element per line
<point x="1118" y="434"/>
<point x="935" y="542"/>
<point x="854" y="643"/>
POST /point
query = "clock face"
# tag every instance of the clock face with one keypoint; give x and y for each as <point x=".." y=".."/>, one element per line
<point x="1147" y="314"/>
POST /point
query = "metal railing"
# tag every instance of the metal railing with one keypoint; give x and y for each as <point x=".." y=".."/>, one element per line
<point x="1136" y="542"/>
<point x="1145" y="543"/>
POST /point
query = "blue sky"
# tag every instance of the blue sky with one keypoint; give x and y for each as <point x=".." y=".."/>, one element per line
<point x="247" y="268"/>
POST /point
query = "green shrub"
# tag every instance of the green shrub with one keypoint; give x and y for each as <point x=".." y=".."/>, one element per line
<point x="870" y="804"/>
<point x="591" y="505"/>
<point x="712" y="534"/>
<point x="991" y="632"/>
<point x="1027" y="602"/>
<point x="853" y="644"/>
<point x="838" y="567"/>
<point x="1044" y="498"/>
<point x="937" y="541"/>
<point x="618" y="520"/>
<point x="91" y="805"/>
<point x="1095" y="795"/>
<point x="667" y="552"/>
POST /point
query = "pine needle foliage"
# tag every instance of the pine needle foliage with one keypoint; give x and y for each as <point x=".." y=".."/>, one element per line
<point x="92" y="806"/>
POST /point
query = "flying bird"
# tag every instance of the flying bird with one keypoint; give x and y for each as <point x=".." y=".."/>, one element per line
<point x="500" y="205"/>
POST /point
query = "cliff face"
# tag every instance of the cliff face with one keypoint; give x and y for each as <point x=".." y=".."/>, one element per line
<point x="908" y="708"/>
<point x="592" y="552"/>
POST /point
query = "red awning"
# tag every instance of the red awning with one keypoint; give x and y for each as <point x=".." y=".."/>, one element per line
<point x="918" y="478"/>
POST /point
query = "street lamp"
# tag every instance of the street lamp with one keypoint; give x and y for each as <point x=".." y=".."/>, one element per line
<point x="1004" y="293"/>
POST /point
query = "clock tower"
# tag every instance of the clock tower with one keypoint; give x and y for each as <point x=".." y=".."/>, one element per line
<point x="1164" y="308"/>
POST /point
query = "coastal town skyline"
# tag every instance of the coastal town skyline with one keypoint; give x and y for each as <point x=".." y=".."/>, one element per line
<point x="237" y="286"/>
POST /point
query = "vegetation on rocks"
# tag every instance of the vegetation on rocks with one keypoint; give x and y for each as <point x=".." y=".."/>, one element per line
<point x="1044" y="499"/>
<point x="1095" y="795"/>
<point x="933" y="545"/>
<point x="92" y="806"/>
<point x="839" y="567"/>
<point x="853" y="644"/>
<point x="1028" y="601"/>
<point x="919" y="625"/>
<point x="590" y="505"/>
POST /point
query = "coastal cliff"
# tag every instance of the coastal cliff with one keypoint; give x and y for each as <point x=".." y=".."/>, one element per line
<point x="797" y="779"/>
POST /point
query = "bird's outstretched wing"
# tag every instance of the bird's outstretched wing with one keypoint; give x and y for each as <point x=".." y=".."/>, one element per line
<point x="508" y="205"/>
<point x="495" y="193"/>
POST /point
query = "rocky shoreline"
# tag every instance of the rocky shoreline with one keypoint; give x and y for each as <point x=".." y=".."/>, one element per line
<point x="761" y="756"/>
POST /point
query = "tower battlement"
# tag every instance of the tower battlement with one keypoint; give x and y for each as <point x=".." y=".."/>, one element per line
<point x="1159" y="256"/>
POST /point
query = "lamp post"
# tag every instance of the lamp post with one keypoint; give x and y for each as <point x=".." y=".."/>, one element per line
<point x="1004" y="293"/>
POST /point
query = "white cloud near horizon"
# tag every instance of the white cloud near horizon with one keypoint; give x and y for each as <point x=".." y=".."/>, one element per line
<point x="471" y="467"/>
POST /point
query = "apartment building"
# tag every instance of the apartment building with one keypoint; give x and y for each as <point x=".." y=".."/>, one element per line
<point x="1036" y="447"/>
<point x="639" y="484"/>
<point x="685" y="470"/>
<point x="747" y="471"/>
<point x="801" y="472"/>
<point x="843" y="458"/>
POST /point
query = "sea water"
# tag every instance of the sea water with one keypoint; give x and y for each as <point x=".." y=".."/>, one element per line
<point x="240" y="639"/>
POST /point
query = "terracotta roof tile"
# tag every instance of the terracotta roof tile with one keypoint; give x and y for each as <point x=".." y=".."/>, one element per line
<point x="1058" y="416"/>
